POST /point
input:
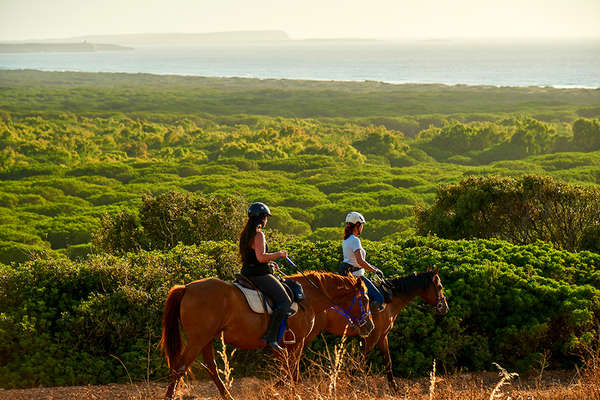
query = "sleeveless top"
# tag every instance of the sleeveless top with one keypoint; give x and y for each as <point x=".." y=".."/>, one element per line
<point x="254" y="268"/>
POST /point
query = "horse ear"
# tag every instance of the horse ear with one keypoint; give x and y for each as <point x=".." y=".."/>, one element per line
<point x="436" y="270"/>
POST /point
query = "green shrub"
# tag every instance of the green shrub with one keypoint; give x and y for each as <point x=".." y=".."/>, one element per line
<point x="17" y="253"/>
<point x="62" y="321"/>
<point x="79" y="251"/>
<point x="521" y="210"/>
<point x="171" y="218"/>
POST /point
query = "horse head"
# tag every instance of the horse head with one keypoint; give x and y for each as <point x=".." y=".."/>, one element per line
<point x="351" y="300"/>
<point x="362" y="311"/>
<point x="434" y="293"/>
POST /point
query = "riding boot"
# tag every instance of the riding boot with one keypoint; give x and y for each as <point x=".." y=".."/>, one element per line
<point x="271" y="337"/>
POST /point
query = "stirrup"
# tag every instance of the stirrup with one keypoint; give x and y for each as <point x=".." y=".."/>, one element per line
<point x="289" y="341"/>
<point x="275" y="346"/>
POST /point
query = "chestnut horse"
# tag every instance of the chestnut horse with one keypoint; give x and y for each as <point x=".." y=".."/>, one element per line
<point x="427" y="285"/>
<point x="209" y="307"/>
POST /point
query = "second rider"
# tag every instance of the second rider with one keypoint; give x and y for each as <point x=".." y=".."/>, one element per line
<point x="354" y="258"/>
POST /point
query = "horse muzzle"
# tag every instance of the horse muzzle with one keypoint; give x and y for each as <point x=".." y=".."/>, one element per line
<point x="365" y="328"/>
<point x="441" y="307"/>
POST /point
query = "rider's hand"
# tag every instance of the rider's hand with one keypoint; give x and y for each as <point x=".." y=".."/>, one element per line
<point x="283" y="254"/>
<point x="379" y="273"/>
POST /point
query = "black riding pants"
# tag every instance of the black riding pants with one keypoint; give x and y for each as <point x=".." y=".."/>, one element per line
<point x="273" y="289"/>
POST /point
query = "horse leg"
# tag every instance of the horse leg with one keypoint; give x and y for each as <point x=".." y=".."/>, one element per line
<point x="370" y="342"/>
<point x="181" y="366"/>
<point x="176" y="372"/>
<point x="175" y="375"/>
<point x="208" y="354"/>
<point x="384" y="348"/>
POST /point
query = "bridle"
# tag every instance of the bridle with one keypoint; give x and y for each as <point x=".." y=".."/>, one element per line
<point x="357" y="323"/>
<point x="354" y="321"/>
<point x="441" y="303"/>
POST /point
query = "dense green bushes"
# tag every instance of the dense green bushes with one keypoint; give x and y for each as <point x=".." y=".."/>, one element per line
<point x="238" y="101"/>
<point x="171" y="218"/>
<point x="508" y="304"/>
<point x="63" y="171"/>
<point x="62" y="321"/>
<point x="521" y="210"/>
<point x="67" y="323"/>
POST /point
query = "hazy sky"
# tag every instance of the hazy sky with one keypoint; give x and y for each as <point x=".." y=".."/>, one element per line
<point x="41" y="19"/>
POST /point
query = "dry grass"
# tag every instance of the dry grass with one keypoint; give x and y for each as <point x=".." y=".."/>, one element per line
<point x="340" y="374"/>
<point x="557" y="385"/>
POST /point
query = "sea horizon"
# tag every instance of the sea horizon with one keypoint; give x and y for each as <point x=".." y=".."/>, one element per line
<point x="564" y="64"/>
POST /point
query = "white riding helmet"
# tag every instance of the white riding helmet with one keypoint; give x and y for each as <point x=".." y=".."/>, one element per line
<point x="353" y="217"/>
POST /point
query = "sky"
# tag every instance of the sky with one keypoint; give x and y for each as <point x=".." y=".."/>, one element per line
<point x="304" y="19"/>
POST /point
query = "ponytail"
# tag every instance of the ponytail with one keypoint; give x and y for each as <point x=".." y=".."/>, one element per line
<point x="348" y="230"/>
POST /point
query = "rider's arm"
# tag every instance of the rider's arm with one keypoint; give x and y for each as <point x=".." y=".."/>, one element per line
<point x="361" y="261"/>
<point x="259" y="249"/>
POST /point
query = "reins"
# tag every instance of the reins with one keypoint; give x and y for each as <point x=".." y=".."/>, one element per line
<point x="349" y="317"/>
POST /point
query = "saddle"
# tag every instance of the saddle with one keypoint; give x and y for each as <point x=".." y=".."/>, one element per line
<point x="261" y="304"/>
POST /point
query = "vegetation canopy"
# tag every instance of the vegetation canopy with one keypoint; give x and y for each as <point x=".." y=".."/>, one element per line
<point x="116" y="187"/>
<point x="521" y="210"/>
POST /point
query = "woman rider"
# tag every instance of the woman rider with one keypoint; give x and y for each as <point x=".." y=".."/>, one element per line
<point x="354" y="257"/>
<point x="258" y="267"/>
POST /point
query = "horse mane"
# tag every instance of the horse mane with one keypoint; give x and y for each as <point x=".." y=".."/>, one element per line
<point x="317" y="277"/>
<point x="410" y="283"/>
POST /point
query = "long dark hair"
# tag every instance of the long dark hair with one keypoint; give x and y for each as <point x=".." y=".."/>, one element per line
<point x="248" y="233"/>
<point x="349" y="229"/>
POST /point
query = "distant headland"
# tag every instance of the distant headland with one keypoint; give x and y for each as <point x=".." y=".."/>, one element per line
<point x="59" y="47"/>
<point x="176" y="38"/>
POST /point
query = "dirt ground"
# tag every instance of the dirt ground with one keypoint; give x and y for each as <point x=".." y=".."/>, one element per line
<point x="552" y="385"/>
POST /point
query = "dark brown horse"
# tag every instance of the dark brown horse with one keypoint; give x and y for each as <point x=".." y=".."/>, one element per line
<point x="209" y="307"/>
<point x="426" y="285"/>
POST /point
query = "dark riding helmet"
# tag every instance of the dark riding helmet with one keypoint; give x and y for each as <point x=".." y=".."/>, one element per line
<point x="259" y="210"/>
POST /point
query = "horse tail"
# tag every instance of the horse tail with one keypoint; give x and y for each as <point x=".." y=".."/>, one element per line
<point x="171" y="341"/>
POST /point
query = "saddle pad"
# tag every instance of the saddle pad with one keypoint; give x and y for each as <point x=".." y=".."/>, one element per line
<point x="255" y="300"/>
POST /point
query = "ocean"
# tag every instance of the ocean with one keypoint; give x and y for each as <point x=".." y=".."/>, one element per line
<point x="563" y="64"/>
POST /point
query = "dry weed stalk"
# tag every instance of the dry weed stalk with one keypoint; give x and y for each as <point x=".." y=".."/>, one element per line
<point x="432" y="381"/>
<point x="505" y="378"/>
<point x="226" y="372"/>
<point x="590" y="353"/>
<point x="543" y="362"/>
<point x="336" y="365"/>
